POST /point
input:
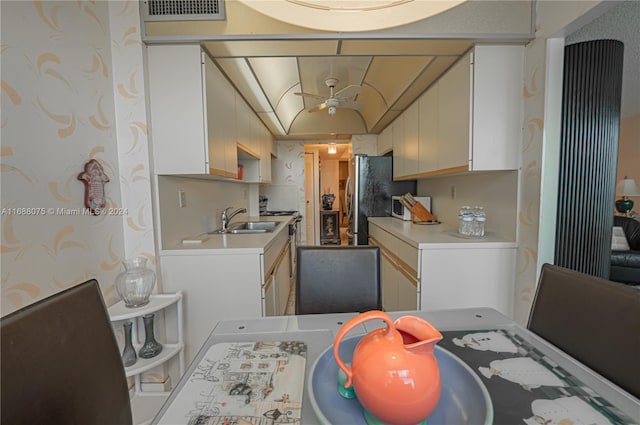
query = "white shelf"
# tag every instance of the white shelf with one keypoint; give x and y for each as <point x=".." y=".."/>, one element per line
<point x="146" y="405"/>
<point x="143" y="365"/>
<point x="157" y="302"/>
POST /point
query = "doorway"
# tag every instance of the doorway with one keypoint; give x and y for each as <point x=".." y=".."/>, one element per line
<point x="326" y="173"/>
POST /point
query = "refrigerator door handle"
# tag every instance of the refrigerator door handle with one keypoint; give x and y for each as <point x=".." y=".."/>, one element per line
<point x="347" y="197"/>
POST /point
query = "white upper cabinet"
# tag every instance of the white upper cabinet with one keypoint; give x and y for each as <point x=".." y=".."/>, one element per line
<point x="221" y="122"/>
<point x="411" y="139"/>
<point x="266" y="144"/>
<point x="246" y="126"/>
<point x="405" y="132"/>
<point x="454" y="105"/>
<point x="200" y="125"/>
<point x="192" y="113"/>
<point x="498" y="79"/>
<point x="469" y="120"/>
<point x="397" y="133"/>
<point x="385" y="141"/>
<point x="177" y="110"/>
<point x="428" y="146"/>
<point x="254" y="144"/>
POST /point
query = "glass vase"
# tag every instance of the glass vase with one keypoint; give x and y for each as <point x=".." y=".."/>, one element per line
<point x="151" y="347"/>
<point x="135" y="284"/>
<point x="129" y="357"/>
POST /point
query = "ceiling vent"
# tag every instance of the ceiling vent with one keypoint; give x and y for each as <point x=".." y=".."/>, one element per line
<point x="182" y="10"/>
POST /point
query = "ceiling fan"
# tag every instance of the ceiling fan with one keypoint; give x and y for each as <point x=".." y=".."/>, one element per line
<point x="339" y="99"/>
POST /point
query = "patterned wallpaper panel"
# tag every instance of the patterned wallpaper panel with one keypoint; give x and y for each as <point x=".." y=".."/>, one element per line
<point x="72" y="90"/>
<point x="551" y="17"/>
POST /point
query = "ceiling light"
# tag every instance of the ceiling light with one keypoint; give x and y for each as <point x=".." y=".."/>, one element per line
<point x="332" y="148"/>
<point x="338" y="15"/>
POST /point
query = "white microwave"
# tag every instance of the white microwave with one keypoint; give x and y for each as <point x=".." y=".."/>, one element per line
<point x="399" y="211"/>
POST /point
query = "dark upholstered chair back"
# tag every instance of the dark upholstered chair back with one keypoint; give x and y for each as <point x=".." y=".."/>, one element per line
<point x="338" y="279"/>
<point x="61" y="363"/>
<point x="594" y="320"/>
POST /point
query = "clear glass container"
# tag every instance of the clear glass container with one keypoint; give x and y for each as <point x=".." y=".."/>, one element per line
<point x="135" y="284"/>
<point x="479" y="219"/>
<point x="465" y="220"/>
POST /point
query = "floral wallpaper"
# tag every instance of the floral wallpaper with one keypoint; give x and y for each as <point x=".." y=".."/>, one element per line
<point x="72" y="91"/>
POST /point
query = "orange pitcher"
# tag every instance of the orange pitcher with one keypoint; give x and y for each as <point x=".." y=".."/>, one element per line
<point x="394" y="371"/>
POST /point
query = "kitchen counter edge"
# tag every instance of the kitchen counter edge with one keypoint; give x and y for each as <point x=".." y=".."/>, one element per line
<point x="231" y="244"/>
<point x="439" y="236"/>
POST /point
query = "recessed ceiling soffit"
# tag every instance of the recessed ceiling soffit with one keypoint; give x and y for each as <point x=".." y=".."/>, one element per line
<point x="391" y="75"/>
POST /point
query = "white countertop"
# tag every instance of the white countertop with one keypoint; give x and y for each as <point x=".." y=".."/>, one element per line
<point x="231" y="244"/>
<point x="437" y="236"/>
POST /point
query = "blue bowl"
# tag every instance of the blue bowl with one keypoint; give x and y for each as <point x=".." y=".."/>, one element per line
<point x="463" y="400"/>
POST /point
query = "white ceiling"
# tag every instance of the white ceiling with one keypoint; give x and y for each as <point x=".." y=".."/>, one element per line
<point x="391" y="73"/>
<point x="268" y="59"/>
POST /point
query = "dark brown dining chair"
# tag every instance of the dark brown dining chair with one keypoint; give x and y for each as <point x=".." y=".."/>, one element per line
<point x="337" y="279"/>
<point x="594" y="320"/>
<point x="61" y="363"/>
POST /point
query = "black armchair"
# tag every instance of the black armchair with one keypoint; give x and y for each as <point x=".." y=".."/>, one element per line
<point x="625" y="265"/>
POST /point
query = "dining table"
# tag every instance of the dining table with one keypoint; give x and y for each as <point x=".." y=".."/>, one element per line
<point x="281" y="369"/>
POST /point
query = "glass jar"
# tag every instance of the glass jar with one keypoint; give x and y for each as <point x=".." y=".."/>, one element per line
<point x="479" y="219"/>
<point x="135" y="284"/>
<point x="465" y="220"/>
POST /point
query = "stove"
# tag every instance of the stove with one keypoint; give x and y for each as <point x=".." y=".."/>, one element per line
<point x="279" y="213"/>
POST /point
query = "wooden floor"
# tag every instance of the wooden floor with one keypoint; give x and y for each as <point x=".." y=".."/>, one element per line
<point x="344" y="240"/>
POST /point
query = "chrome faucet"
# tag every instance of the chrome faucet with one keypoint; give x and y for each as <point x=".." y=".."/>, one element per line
<point x="226" y="217"/>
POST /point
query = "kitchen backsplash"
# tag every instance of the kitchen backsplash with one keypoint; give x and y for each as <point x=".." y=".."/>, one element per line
<point x="205" y="200"/>
<point x="496" y="191"/>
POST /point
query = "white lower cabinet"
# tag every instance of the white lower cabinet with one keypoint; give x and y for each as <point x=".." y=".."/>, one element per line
<point x="167" y="309"/>
<point x="216" y="287"/>
<point x="277" y="282"/>
<point x="226" y="284"/>
<point x="399" y="290"/>
<point x="468" y="277"/>
<point x="389" y="287"/>
<point x="269" y="307"/>
<point x="398" y="269"/>
<point x="444" y="275"/>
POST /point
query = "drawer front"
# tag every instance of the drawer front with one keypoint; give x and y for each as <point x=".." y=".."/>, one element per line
<point x="272" y="253"/>
<point x="405" y="255"/>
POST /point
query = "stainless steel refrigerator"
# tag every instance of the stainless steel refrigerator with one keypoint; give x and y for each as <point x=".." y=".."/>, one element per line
<point x="368" y="193"/>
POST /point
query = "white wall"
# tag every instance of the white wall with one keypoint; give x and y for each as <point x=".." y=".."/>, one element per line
<point x="629" y="151"/>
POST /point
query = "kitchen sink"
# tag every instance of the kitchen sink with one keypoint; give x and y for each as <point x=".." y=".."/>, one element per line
<point x="250" y="227"/>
